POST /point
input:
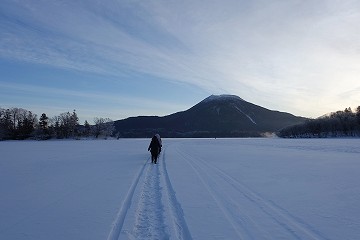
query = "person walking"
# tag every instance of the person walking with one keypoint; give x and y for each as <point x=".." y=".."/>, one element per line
<point x="154" y="148"/>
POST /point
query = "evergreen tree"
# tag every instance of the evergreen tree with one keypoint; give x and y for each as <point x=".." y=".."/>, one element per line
<point x="26" y="124"/>
<point x="74" y="122"/>
<point x="44" y="132"/>
<point x="87" y="129"/>
<point x="7" y="124"/>
<point x="44" y="122"/>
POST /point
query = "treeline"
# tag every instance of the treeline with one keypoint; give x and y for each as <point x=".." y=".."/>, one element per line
<point x="19" y="124"/>
<point x="339" y="124"/>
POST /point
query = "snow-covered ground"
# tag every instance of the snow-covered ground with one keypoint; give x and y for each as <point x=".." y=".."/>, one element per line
<point x="200" y="189"/>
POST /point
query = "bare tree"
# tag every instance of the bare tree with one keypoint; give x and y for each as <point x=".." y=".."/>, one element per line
<point x="103" y="127"/>
<point x="16" y="123"/>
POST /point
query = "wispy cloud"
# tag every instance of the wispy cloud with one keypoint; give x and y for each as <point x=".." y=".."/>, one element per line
<point x="61" y="100"/>
<point x="268" y="52"/>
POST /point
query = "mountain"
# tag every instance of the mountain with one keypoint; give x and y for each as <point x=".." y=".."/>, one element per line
<point x="215" y="116"/>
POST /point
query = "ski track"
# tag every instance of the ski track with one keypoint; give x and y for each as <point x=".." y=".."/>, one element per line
<point x="179" y="226"/>
<point x="158" y="214"/>
<point x="150" y="220"/>
<point x="120" y="217"/>
<point x="242" y="207"/>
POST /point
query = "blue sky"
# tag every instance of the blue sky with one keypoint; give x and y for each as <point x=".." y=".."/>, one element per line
<point x="127" y="58"/>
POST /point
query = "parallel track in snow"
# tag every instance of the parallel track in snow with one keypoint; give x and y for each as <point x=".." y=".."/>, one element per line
<point x="157" y="214"/>
<point x="121" y="215"/>
<point x="178" y="224"/>
<point x="250" y="215"/>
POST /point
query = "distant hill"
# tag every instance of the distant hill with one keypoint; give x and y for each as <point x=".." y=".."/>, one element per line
<point x="215" y="116"/>
<point x="337" y="124"/>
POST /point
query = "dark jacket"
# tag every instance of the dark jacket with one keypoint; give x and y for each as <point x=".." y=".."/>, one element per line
<point x="154" y="146"/>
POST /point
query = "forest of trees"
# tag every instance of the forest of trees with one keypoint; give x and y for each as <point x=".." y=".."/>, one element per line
<point x="19" y="124"/>
<point x="338" y="124"/>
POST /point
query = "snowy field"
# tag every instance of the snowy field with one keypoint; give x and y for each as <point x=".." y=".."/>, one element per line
<point x="200" y="189"/>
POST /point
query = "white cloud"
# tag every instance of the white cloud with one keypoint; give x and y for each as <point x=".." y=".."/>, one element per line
<point x="291" y="55"/>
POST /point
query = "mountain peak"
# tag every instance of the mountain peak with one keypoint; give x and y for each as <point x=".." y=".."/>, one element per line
<point x="215" y="116"/>
<point x="221" y="97"/>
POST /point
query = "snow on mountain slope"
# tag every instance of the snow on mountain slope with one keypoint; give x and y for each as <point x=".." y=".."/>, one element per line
<point x="200" y="189"/>
<point x="222" y="97"/>
<point x="245" y="115"/>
